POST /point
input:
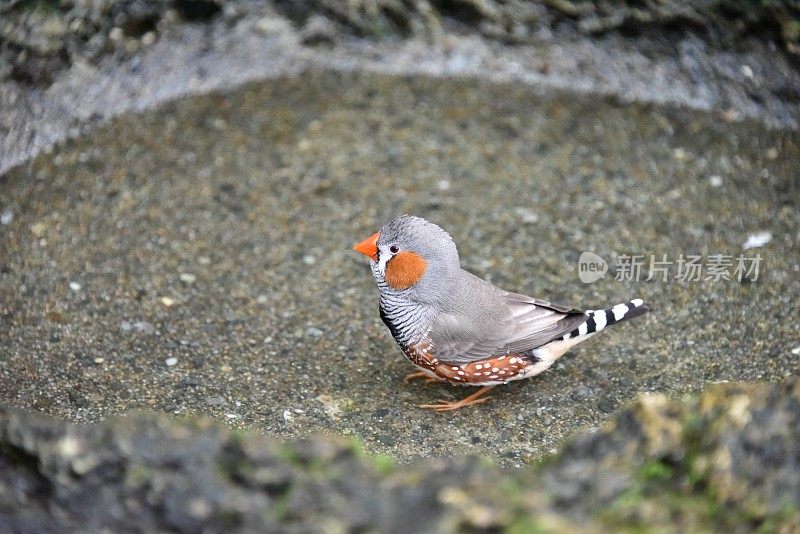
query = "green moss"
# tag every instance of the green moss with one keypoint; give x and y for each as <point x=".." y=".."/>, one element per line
<point x="280" y="510"/>
<point x="526" y="524"/>
<point x="383" y="463"/>
<point x="286" y="453"/>
<point x="137" y="475"/>
<point x="655" y="471"/>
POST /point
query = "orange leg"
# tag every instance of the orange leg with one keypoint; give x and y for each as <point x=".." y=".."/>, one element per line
<point x="421" y="374"/>
<point x="447" y="406"/>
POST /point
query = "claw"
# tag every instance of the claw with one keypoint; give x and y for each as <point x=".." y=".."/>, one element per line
<point x="420" y="374"/>
<point x="447" y="406"/>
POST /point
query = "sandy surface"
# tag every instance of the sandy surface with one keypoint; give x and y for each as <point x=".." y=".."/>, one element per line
<point x="196" y="257"/>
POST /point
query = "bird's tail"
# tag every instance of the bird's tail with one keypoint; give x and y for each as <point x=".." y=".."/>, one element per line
<point x="599" y="319"/>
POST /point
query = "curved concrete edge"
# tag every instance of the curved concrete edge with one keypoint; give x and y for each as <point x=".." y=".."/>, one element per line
<point x="198" y="59"/>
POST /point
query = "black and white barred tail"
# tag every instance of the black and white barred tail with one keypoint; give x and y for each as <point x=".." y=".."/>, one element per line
<point x="600" y="319"/>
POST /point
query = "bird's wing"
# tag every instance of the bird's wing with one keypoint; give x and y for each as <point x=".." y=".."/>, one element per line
<point x="527" y="323"/>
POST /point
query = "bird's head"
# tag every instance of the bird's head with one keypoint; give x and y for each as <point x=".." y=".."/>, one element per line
<point x="412" y="257"/>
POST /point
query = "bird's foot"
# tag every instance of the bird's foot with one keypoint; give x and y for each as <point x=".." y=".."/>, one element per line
<point x="448" y="406"/>
<point x="421" y="374"/>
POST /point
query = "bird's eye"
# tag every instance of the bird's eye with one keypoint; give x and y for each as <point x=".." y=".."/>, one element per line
<point x="394" y="249"/>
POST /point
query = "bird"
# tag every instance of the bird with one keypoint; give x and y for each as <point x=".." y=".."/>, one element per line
<point x="456" y="327"/>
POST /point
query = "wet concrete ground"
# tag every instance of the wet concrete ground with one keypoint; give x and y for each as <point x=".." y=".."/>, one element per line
<point x="196" y="258"/>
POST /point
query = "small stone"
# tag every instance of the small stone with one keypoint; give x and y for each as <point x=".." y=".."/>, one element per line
<point x="796" y="351"/>
<point x="148" y="38"/>
<point x="526" y="215"/>
<point x="731" y="115"/>
<point x="606" y="405"/>
<point x="747" y="71"/>
<point x="167" y="301"/>
<point x="38" y="229"/>
<point x="679" y="154"/>
<point x="262" y="299"/>
<point x="171" y="362"/>
<point x="204" y="260"/>
<point x="387" y="440"/>
<point x="6" y="217"/>
<point x="772" y="153"/>
<point x="318" y="30"/>
<point x="75" y="286"/>
<point x="443" y="185"/>
<point x="99" y="360"/>
<point x="269" y="25"/>
<point x="715" y="180"/>
<point x="312" y="331"/>
<point x="758" y="240"/>
<point x="231" y="416"/>
<point x="308" y="259"/>
<point x="188" y="278"/>
<point x="215" y="401"/>
<point x="54" y="27"/>
<point x="144" y="327"/>
<point x="116" y="34"/>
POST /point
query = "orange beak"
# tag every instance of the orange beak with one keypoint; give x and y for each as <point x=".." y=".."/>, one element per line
<point x="369" y="247"/>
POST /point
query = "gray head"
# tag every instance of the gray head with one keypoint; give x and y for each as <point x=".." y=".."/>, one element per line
<point x="413" y="259"/>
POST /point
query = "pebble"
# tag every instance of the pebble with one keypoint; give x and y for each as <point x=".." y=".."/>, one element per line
<point x="99" y="360"/>
<point x="167" y="301"/>
<point x="148" y="38"/>
<point x="526" y="215"/>
<point x="215" y="401"/>
<point x="269" y="25"/>
<point x="188" y="278"/>
<point x="308" y="259"/>
<point x="679" y="154"/>
<point x="715" y="180"/>
<point x="139" y="326"/>
<point x="38" y="229"/>
<point x="262" y="299"/>
<point x="314" y="332"/>
<point x="6" y="217"/>
<point x="75" y="286"/>
<point x="758" y="240"/>
<point x="204" y="260"/>
<point x="796" y="351"/>
<point x="443" y="185"/>
<point x="171" y="362"/>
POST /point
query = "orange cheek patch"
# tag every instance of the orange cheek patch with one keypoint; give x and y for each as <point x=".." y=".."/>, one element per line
<point x="405" y="270"/>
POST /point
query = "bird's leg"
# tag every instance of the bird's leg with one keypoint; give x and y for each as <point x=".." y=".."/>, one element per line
<point x="421" y="374"/>
<point x="446" y="406"/>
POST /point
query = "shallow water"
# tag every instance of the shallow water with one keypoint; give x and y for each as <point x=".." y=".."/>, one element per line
<point x="256" y="197"/>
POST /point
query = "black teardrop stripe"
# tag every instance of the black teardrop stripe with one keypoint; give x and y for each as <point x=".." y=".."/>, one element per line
<point x="385" y="318"/>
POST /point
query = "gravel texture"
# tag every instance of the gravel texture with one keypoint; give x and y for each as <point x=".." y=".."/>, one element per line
<point x="70" y="66"/>
<point x="196" y="258"/>
<point x="724" y="462"/>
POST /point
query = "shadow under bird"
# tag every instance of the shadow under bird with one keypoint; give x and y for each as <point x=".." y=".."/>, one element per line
<point x="456" y="327"/>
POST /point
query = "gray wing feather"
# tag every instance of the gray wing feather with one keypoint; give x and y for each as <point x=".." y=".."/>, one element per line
<point x="526" y="323"/>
